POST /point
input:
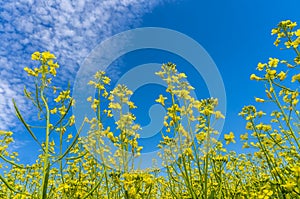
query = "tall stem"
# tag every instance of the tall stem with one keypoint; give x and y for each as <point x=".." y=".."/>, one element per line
<point x="46" y="151"/>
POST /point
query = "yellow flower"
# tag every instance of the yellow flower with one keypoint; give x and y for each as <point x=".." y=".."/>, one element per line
<point x="292" y="25"/>
<point x="274" y="31"/>
<point x="284" y="23"/>
<point x="105" y="94"/>
<point x="52" y="64"/>
<point x="260" y="113"/>
<point x="260" y="66"/>
<point x="57" y="99"/>
<point x="72" y="120"/>
<point x="53" y="111"/>
<point x="282" y="75"/>
<point x="296" y="77"/>
<point x="114" y="106"/>
<point x="206" y="112"/>
<point x="62" y="110"/>
<point x="289" y="186"/>
<point x="259" y="126"/>
<point x="131" y="105"/>
<point x="110" y="135"/>
<point x="259" y="99"/>
<point x="254" y="77"/>
<point x="106" y="80"/>
<point x="70" y="136"/>
<point x="229" y="138"/>
<point x="244" y="136"/>
<point x="47" y="55"/>
<point x="89" y="99"/>
<point x="270" y="74"/>
<point x="297" y="33"/>
<point x="296" y="170"/>
<point x="268" y="192"/>
<point x="189" y="152"/>
<point x="269" y="95"/>
<point x="31" y="72"/>
<point x="91" y="82"/>
<point x="52" y="71"/>
<point x="249" y="126"/>
<point x="295" y="102"/>
<point x="2" y="148"/>
<point x="276" y="42"/>
<point x="267" y="127"/>
<point x="36" y="56"/>
<point x="108" y="113"/>
<point x="61" y="130"/>
<point x="182" y="75"/>
<point x="161" y="100"/>
<point x="218" y="115"/>
<point x="65" y="186"/>
<point x="288" y="44"/>
<point x="246" y="145"/>
<point x="273" y="62"/>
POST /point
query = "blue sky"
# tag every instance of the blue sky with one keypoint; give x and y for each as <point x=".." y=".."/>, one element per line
<point x="236" y="34"/>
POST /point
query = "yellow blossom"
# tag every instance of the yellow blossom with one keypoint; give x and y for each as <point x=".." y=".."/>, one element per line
<point x="70" y="136"/>
<point x="89" y="99"/>
<point x="244" y="136"/>
<point x="131" y="105"/>
<point x="36" y="56"/>
<point x="106" y="80"/>
<point x="276" y="42"/>
<point x="292" y="25"/>
<point x="282" y="75"/>
<point x="47" y="56"/>
<point x="273" y="62"/>
<point x="296" y="78"/>
<point x="229" y="138"/>
<point x="62" y="110"/>
<point x="274" y="31"/>
<point x="270" y="74"/>
<point x="161" y="100"/>
<point x="189" y="152"/>
<point x="245" y="145"/>
<point x="259" y="99"/>
<point x="52" y="71"/>
<point x="218" y="115"/>
<point x="297" y="33"/>
<point x="72" y="120"/>
<point x="254" y="77"/>
<point x="296" y="170"/>
<point x="260" y="66"/>
<point x="31" y="72"/>
<point x="53" y="111"/>
<point x="289" y="186"/>
<point x="206" y="112"/>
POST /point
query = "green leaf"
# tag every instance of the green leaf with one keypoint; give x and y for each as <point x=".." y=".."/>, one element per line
<point x="25" y="124"/>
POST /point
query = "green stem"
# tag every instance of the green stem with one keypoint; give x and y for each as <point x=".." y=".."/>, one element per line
<point x="284" y="115"/>
<point x="46" y="152"/>
<point x="60" y="153"/>
<point x="207" y="159"/>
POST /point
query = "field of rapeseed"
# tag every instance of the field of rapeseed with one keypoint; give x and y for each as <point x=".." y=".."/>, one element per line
<point x="197" y="165"/>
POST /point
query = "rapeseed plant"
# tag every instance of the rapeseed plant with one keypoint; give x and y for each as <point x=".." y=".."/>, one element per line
<point x="197" y="165"/>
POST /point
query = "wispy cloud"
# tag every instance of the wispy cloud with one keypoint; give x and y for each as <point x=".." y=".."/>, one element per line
<point x="70" y="28"/>
<point x="17" y="144"/>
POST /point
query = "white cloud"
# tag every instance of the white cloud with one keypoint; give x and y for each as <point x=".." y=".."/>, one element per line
<point x="17" y="144"/>
<point x="69" y="28"/>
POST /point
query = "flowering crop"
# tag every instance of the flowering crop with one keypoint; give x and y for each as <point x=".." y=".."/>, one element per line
<point x="197" y="165"/>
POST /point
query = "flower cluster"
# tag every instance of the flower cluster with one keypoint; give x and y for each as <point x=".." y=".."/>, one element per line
<point x="101" y="164"/>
